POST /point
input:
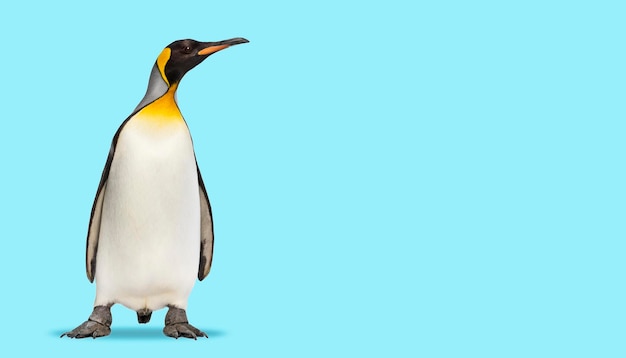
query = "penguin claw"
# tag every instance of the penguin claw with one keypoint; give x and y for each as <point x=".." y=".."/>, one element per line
<point x="88" y="329"/>
<point x="183" y="330"/>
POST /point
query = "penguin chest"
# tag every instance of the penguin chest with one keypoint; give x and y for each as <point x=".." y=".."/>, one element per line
<point x="149" y="242"/>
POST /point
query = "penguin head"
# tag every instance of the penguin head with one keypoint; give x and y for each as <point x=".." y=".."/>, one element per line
<point x="181" y="56"/>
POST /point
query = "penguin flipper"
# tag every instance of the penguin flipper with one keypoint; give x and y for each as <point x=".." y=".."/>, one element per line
<point x="93" y="232"/>
<point x="206" y="231"/>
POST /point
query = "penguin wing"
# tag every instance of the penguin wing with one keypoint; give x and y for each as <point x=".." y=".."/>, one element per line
<point x="93" y="232"/>
<point x="206" y="230"/>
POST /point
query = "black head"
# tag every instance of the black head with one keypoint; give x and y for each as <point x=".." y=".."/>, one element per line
<point x="181" y="56"/>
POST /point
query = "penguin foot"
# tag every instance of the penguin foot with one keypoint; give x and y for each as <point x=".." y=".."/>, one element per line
<point x="98" y="324"/>
<point x="183" y="330"/>
<point x="88" y="329"/>
<point x="176" y="325"/>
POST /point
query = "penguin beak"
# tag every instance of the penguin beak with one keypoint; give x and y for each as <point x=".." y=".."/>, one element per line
<point x="212" y="47"/>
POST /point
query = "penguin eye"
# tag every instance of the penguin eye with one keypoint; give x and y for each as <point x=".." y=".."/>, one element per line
<point x="187" y="49"/>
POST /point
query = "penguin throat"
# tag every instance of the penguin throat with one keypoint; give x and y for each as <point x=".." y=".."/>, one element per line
<point x="164" y="109"/>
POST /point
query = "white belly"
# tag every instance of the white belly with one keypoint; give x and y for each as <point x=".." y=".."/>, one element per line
<point x="149" y="242"/>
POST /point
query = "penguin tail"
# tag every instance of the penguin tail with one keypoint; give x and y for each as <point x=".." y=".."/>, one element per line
<point x="143" y="315"/>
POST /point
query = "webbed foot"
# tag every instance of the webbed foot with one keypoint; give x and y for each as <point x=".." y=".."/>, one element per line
<point x="98" y="324"/>
<point x="176" y="325"/>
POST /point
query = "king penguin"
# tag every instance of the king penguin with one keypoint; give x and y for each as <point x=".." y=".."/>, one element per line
<point x="151" y="229"/>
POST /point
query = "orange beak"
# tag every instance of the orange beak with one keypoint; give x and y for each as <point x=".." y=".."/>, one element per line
<point x="213" y="47"/>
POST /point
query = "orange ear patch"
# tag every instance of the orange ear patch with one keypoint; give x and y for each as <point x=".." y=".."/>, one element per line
<point x="162" y="60"/>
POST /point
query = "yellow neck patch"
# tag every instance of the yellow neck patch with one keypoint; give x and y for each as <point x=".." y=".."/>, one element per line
<point x="162" y="111"/>
<point x="162" y="60"/>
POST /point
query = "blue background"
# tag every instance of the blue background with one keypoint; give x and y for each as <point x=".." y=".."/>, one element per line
<point x="403" y="179"/>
